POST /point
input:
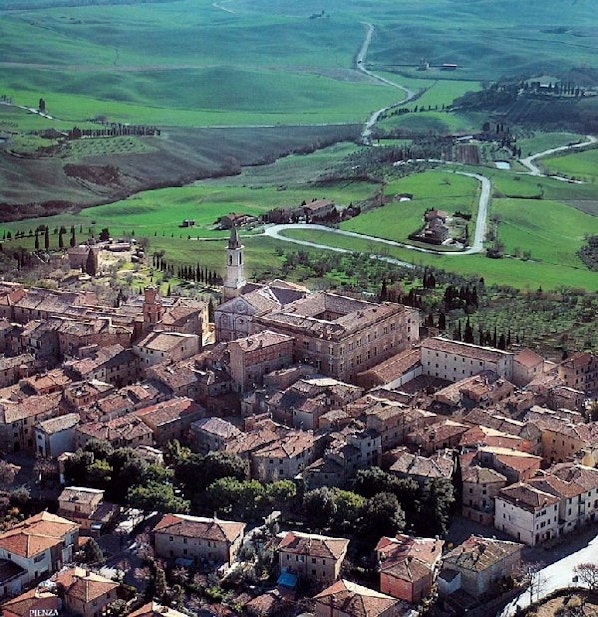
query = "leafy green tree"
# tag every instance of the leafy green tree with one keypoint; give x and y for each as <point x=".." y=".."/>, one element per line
<point x="197" y="472"/>
<point x="435" y="506"/>
<point x="349" y="509"/>
<point x="231" y="496"/>
<point x="99" y="474"/>
<point x="156" y="496"/>
<point x="320" y="507"/>
<point x="382" y="516"/>
<point x="100" y="448"/>
<point x="92" y="553"/>
<point x="281" y="494"/>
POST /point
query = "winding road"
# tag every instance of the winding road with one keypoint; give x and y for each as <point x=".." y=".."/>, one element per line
<point x="360" y="66"/>
<point x="528" y="161"/>
<point x="276" y="231"/>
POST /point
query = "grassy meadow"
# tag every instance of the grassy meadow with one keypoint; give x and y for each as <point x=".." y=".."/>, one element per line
<point x="191" y="66"/>
<point x="397" y="219"/>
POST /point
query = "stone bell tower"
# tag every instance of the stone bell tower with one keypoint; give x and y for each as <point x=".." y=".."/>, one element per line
<point x="235" y="267"/>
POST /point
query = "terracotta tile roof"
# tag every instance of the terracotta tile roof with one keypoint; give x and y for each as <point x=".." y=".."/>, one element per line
<point x="294" y="444"/>
<point x="394" y="367"/>
<point x="484" y="435"/>
<point x="580" y="360"/>
<point x="112" y="355"/>
<point x="478" y="554"/>
<point x="580" y="474"/>
<point x="475" y="352"/>
<point x="556" y="486"/>
<point x="36" y="534"/>
<point x="403" y="546"/>
<point x="174" y="410"/>
<point x="259" y="340"/>
<point x="83" y="585"/>
<point x="216" y="426"/>
<point x="439" y="465"/>
<point x="53" y="379"/>
<point x="344" y="314"/>
<point x="80" y="494"/>
<point x="175" y="375"/>
<point x="358" y="601"/>
<point x="527" y="497"/>
<point x="24" y="604"/>
<point x="126" y="428"/>
<point x="482" y="475"/>
<point x="61" y="423"/>
<point x="528" y="358"/>
<point x="28" y="407"/>
<point x="314" y="545"/>
<point x="153" y="609"/>
<point x="163" y="341"/>
<point x="199" y="527"/>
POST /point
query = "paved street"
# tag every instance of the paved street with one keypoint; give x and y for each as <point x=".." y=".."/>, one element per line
<point x="559" y="574"/>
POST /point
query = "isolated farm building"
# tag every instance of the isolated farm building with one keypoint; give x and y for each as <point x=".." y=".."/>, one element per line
<point x="318" y="209"/>
<point x="228" y="221"/>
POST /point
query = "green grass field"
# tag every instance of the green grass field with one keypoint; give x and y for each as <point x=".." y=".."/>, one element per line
<point x="396" y="220"/>
<point x="513" y="272"/>
<point x="540" y="142"/>
<point x="579" y="165"/>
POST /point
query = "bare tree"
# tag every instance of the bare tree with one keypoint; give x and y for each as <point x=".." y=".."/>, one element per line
<point x="531" y="576"/>
<point x="587" y="573"/>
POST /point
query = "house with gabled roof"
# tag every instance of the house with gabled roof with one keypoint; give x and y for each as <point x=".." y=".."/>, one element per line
<point x="284" y="458"/>
<point x="527" y="513"/>
<point x="198" y="538"/>
<point x="85" y="593"/>
<point x="20" y="414"/>
<point x="56" y="435"/>
<point x="313" y="558"/>
<point x="38" y="601"/>
<point x="171" y="419"/>
<point x="40" y="545"/>
<point x="408" y="565"/>
<point x="476" y="564"/>
<point x="347" y="599"/>
<point x="480" y="487"/>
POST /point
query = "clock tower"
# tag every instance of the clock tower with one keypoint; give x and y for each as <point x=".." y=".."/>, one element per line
<point x="235" y="268"/>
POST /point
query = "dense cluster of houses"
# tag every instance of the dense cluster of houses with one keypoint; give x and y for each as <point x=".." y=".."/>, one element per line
<point x="301" y="385"/>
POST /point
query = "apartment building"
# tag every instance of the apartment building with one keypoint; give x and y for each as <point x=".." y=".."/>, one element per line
<point x="454" y="360"/>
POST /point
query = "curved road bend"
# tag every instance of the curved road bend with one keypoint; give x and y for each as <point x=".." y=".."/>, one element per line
<point x="360" y="66"/>
<point x="528" y="161"/>
<point x="274" y="231"/>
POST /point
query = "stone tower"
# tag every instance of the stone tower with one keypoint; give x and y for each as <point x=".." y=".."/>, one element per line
<point x="152" y="307"/>
<point x="235" y="268"/>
